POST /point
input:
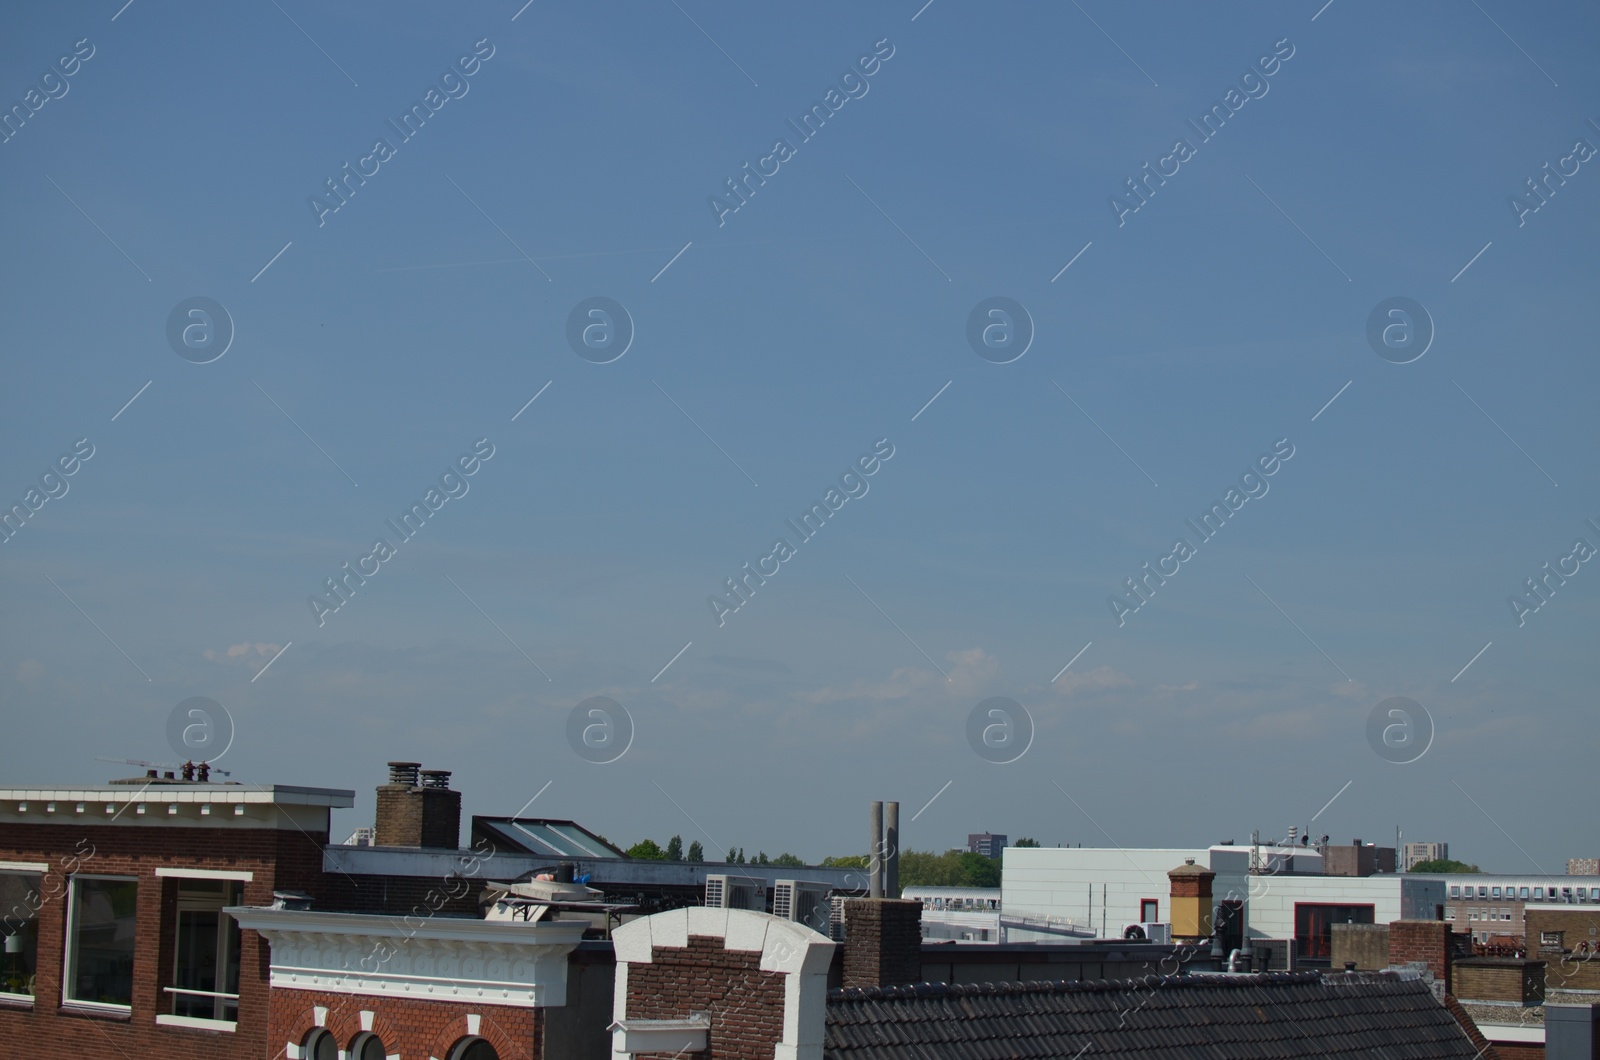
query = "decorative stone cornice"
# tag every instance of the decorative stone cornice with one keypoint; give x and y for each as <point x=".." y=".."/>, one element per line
<point x="433" y="958"/>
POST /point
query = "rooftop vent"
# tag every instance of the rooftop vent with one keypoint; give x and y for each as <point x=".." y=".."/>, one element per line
<point x="436" y="778"/>
<point x="404" y="773"/>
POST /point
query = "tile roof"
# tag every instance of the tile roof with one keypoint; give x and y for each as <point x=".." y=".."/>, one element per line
<point x="1207" y="1017"/>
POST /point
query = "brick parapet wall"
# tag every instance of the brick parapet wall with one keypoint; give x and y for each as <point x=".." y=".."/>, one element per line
<point x="746" y="1004"/>
<point x="1510" y="980"/>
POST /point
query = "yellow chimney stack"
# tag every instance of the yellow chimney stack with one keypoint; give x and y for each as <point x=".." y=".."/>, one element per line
<point x="1191" y="901"/>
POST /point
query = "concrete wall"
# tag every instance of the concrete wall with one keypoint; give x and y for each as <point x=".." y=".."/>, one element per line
<point x="1365" y="944"/>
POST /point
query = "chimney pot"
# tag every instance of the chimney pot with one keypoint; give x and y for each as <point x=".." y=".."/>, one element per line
<point x="404" y="773"/>
<point x="875" y="853"/>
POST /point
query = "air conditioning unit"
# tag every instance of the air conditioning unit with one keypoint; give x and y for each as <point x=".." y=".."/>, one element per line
<point x="803" y="902"/>
<point x="836" y="918"/>
<point x="1148" y="931"/>
<point x="736" y="892"/>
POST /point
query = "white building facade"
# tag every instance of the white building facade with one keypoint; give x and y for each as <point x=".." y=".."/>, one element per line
<point x="1286" y="897"/>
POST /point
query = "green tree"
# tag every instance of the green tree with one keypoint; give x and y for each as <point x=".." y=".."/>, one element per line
<point x="647" y="850"/>
<point x="922" y="868"/>
<point x="761" y="858"/>
<point x="975" y="870"/>
<point x="788" y="861"/>
<point x="1026" y="842"/>
<point x="696" y="851"/>
<point x="1443" y="865"/>
<point x="675" y="848"/>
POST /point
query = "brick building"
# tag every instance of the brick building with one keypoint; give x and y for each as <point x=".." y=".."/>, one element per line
<point x="115" y="939"/>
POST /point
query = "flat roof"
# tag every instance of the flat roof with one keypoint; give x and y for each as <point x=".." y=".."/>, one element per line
<point x="163" y="793"/>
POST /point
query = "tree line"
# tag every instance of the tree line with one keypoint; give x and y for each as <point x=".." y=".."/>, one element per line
<point x="918" y="868"/>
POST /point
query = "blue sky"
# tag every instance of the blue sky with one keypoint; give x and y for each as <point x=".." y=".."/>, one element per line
<point x="773" y="351"/>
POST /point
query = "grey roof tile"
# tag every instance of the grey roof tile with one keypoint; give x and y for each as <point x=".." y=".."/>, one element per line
<point x="1260" y="1017"/>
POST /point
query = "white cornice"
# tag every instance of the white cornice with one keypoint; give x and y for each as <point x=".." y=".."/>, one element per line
<point x="435" y="958"/>
<point x="276" y="794"/>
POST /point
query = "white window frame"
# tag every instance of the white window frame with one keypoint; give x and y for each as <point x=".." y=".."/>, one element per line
<point x="171" y="992"/>
<point x="24" y="868"/>
<point x="167" y="872"/>
<point x="68" y="972"/>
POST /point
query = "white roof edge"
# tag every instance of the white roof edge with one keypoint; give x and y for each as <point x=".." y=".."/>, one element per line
<point x="277" y="794"/>
<point x="316" y="921"/>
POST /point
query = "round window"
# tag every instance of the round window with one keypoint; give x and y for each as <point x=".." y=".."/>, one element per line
<point x="319" y="1045"/>
<point x="474" y="1049"/>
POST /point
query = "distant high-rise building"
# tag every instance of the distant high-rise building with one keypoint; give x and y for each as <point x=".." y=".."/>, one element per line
<point x="1583" y="866"/>
<point x="986" y="843"/>
<point x="1414" y="853"/>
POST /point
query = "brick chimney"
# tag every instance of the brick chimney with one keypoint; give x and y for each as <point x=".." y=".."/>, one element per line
<point x="1190" y="909"/>
<point x="882" y="942"/>
<point x="417" y="808"/>
<point x="1425" y="942"/>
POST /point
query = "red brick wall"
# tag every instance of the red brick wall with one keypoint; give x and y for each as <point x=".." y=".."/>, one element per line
<point x="1427" y="941"/>
<point x="409" y="1027"/>
<point x="746" y="1004"/>
<point x="279" y="860"/>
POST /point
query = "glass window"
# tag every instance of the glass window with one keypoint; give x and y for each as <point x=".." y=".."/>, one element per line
<point x="1455" y="890"/>
<point x="477" y="1049"/>
<point x="19" y="927"/>
<point x="367" y="1047"/>
<point x="100" y="940"/>
<point x="1313" y="925"/>
<point x="1483" y="892"/>
<point x="205" y="972"/>
<point x="1538" y="892"/>
<point x="1495" y="891"/>
<point x="1522" y="892"/>
<point x="319" y="1045"/>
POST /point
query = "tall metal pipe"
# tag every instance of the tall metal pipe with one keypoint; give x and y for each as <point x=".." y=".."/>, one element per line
<point x="875" y="853"/>
<point x="891" y="868"/>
